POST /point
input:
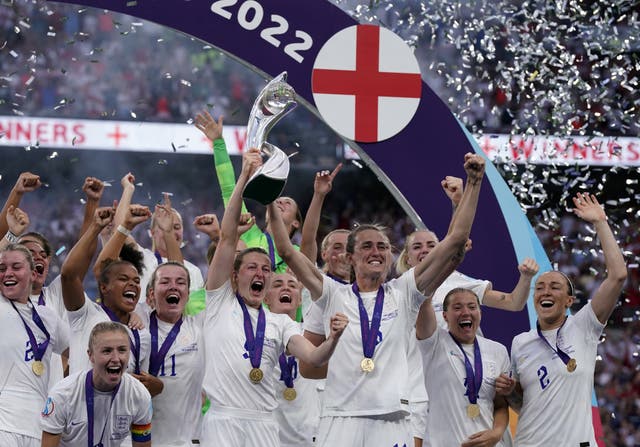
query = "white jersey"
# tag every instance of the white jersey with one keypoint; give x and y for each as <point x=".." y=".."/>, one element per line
<point x="556" y="405"/>
<point x="226" y="380"/>
<point x="65" y="411"/>
<point x="453" y="281"/>
<point x="21" y="391"/>
<point x="349" y="391"/>
<point x="297" y="419"/>
<point x="313" y="323"/>
<point x="196" y="281"/>
<point x="445" y="374"/>
<point x="181" y="373"/>
<point x="52" y="295"/>
<point x="81" y="322"/>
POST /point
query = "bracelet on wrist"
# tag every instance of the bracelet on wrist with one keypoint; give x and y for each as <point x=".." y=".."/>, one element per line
<point x="12" y="238"/>
<point x="124" y="231"/>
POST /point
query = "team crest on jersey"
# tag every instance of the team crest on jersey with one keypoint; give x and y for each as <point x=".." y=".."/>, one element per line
<point x="271" y="342"/>
<point x="491" y="371"/>
<point x="122" y="422"/>
<point x="185" y="339"/>
<point x="48" y="407"/>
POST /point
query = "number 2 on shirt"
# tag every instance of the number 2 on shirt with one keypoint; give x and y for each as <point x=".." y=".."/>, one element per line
<point x="542" y="377"/>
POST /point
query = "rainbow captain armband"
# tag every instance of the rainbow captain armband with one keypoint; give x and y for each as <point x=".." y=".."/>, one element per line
<point x="141" y="433"/>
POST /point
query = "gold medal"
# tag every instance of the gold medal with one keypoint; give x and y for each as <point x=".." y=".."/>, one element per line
<point x="289" y="394"/>
<point x="256" y="375"/>
<point x="367" y="365"/>
<point x="37" y="367"/>
<point x="473" y="411"/>
<point x="572" y="365"/>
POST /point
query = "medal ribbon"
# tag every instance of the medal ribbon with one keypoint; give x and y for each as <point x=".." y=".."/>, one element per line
<point x="253" y="344"/>
<point x="88" y="390"/>
<point x="38" y="349"/>
<point x="156" y="358"/>
<point x="563" y="355"/>
<point x="473" y="381"/>
<point x="41" y="299"/>
<point x="336" y="279"/>
<point x="287" y="366"/>
<point x="134" y="344"/>
<point x="369" y="334"/>
<point x="158" y="257"/>
<point x="272" y="252"/>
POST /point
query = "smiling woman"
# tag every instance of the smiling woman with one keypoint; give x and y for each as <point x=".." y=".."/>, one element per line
<point x="28" y="336"/>
<point x="554" y="363"/>
<point x="358" y="380"/>
<point x="119" y="285"/>
<point x="240" y="381"/>
<point x="80" y="409"/>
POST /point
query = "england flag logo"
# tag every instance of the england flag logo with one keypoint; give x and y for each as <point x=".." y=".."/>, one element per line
<point x="366" y="83"/>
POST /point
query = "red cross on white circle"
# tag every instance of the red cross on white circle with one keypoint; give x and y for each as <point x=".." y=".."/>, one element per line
<point x="366" y="83"/>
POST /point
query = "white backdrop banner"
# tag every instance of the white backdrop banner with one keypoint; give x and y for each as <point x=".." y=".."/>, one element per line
<point x="52" y="133"/>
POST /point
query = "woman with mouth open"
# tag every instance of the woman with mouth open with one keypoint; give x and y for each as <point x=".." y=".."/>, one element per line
<point x="366" y="393"/>
<point x="102" y="406"/>
<point x="418" y="245"/>
<point x="28" y="336"/>
<point x="460" y="369"/>
<point x="119" y="286"/>
<point x="243" y="340"/>
<point x="554" y="363"/>
<point x="298" y="412"/>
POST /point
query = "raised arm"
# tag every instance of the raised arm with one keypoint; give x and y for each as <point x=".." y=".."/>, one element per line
<point x="517" y="298"/>
<point x="78" y="260"/>
<point x="305" y="270"/>
<point x="448" y="254"/>
<point x="212" y="129"/>
<point x="453" y="188"/>
<point x="209" y="225"/>
<point x="135" y="215"/>
<point x="321" y="187"/>
<point x="222" y="263"/>
<point x="93" y="189"/>
<point x="318" y="356"/>
<point x="128" y="188"/>
<point x="165" y="218"/>
<point x="606" y="296"/>
<point x="26" y="182"/>
<point x="426" y="323"/>
<point x="18" y="221"/>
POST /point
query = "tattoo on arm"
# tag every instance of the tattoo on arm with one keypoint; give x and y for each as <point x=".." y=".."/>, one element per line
<point x="459" y="256"/>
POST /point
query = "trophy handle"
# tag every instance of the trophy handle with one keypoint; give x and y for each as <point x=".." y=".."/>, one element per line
<point x="274" y="101"/>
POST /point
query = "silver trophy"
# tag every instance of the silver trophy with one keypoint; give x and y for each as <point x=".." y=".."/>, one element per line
<point x="275" y="100"/>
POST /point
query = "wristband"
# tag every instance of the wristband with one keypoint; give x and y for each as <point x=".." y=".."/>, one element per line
<point x="124" y="231"/>
<point x="12" y="238"/>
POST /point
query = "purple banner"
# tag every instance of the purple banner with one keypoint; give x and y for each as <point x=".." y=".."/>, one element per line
<point x="286" y="35"/>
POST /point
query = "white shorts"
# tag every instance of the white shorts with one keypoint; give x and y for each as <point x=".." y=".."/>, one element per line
<point x="364" y="431"/>
<point x="418" y="418"/>
<point x="8" y="439"/>
<point x="238" y="428"/>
